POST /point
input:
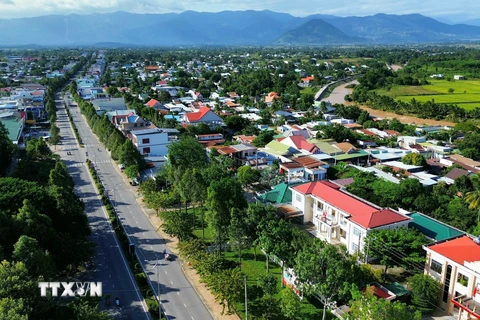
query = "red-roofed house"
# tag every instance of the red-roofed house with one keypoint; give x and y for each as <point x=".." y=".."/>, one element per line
<point x="203" y="115"/>
<point x="301" y="144"/>
<point x="340" y="217"/>
<point x="271" y="96"/>
<point x="153" y="103"/>
<point x="455" y="263"/>
<point x="308" y="79"/>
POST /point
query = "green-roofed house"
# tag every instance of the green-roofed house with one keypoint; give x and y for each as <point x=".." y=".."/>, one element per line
<point x="14" y="123"/>
<point x="279" y="194"/>
<point x="432" y="228"/>
<point x="278" y="149"/>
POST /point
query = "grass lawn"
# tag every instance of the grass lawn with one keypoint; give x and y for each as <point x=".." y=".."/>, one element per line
<point x="311" y="308"/>
<point x="309" y="90"/>
<point x="197" y="232"/>
<point x="466" y="93"/>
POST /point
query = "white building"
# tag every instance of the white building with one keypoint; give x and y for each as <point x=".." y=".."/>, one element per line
<point x="455" y="263"/>
<point x="340" y="217"/>
<point x="154" y="142"/>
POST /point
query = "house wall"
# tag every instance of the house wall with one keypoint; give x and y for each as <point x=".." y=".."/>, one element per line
<point x="158" y="144"/>
<point x="455" y="286"/>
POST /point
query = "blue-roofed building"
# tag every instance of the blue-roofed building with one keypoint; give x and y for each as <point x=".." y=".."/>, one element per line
<point x="174" y="117"/>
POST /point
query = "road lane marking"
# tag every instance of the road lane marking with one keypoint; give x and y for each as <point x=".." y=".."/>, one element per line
<point x="171" y="282"/>
<point x="178" y="293"/>
<point x="185" y="305"/>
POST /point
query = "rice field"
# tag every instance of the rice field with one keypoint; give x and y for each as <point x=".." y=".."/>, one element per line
<point x="466" y="93"/>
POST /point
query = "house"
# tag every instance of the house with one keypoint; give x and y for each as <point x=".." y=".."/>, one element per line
<point x="128" y="122"/>
<point x="455" y="263"/>
<point x="278" y="149"/>
<point x="151" y="68"/>
<point x="295" y="130"/>
<point x="111" y="104"/>
<point x="233" y="95"/>
<point x="154" y="141"/>
<point x="466" y="163"/>
<point x="279" y="194"/>
<point x="14" y="122"/>
<point x="340" y="217"/>
<point x="300" y="143"/>
<point x="152" y="103"/>
<point x="236" y="151"/>
<point x="203" y="115"/>
<point x="453" y="175"/>
<point x="458" y="77"/>
<point x="308" y="79"/>
<point x="304" y="168"/>
<point x="245" y="139"/>
<point x="210" y="139"/>
<point x="271" y="97"/>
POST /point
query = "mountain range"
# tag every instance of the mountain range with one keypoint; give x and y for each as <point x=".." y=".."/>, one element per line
<point x="261" y="28"/>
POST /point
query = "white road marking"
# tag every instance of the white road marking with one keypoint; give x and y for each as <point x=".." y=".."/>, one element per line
<point x="171" y="282"/>
<point x="185" y="305"/>
<point x="192" y="318"/>
<point x="166" y="272"/>
<point x="178" y="293"/>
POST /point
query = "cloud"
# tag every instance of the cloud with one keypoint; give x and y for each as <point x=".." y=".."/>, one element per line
<point x="22" y="8"/>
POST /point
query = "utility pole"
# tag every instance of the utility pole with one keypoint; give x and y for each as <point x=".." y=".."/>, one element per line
<point x="246" y="300"/>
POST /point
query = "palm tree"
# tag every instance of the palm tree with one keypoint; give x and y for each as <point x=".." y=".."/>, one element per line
<point x="473" y="197"/>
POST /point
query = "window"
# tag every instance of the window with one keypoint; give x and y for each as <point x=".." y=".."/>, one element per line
<point x="320" y="205"/>
<point x="343" y="233"/>
<point x="298" y="198"/>
<point x="462" y="279"/>
<point x="145" y="141"/>
<point x="146" y="150"/>
<point x="436" y="266"/>
<point x="357" y="232"/>
<point x="333" y="213"/>
<point x="355" y="247"/>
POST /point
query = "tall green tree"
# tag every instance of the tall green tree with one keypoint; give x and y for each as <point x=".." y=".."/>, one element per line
<point x="223" y="196"/>
<point x="6" y="150"/>
<point x="425" y="292"/>
<point x="275" y="237"/>
<point x="37" y="261"/>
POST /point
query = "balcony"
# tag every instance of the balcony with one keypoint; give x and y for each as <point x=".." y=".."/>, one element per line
<point x="327" y="219"/>
<point x="467" y="304"/>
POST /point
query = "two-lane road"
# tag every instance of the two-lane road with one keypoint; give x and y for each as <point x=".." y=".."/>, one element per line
<point x="179" y="299"/>
<point x="109" y="265"/>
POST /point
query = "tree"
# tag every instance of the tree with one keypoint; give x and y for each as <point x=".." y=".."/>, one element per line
<point x="290" y="304"/>
<point x="188" y="153"/>
<point x="425" y="292"/>
<point x="415" y="159"/>
<point x="54" y="135"/>
<point x="236" y="123"/>
<point x="132" y="171"/>
<point x="219" y="206"/>
<point x="263" y="138"/>
<point x="227" y="287"/>
<point x="366" y="306"/>
<point x="177" y="224"/>
<point x="275" y="236"/>
<point x="324" y="270"/>
<point x="246" y="175"/>
<point x="267" y="283"/>
<point x="239" y="233"/>
<point x="397" y="247"/>
<point x="473" y="198"/>
<point x="129" y="154"/>
<point x="12" y="309"/>
<point x="37" y="261"/>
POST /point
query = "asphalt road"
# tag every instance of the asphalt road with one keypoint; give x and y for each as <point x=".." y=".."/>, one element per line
<point x="178" y="298"/>
<point x="109" y="264"/>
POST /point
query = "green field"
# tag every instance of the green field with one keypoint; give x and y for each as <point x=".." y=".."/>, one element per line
<point x="466" y="93"/>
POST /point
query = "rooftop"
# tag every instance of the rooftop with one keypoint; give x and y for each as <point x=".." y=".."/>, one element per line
<point x="461" y="249"/>
<point x="432" y="228"/>
<point x="361" y="212"/>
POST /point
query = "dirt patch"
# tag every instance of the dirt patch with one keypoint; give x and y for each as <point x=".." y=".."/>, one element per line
<point x="404" y="118"/>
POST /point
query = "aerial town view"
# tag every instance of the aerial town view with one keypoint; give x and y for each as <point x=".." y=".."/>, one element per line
<point x="210" y="160"/>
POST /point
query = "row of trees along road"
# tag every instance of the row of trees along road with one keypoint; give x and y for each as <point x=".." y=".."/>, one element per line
<point x="191" y="179"/>
<point x="121" y="148"/>
<point x="43" y="236"/>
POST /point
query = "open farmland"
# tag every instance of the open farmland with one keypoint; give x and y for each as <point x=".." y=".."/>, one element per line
<point x="466" y="93"/>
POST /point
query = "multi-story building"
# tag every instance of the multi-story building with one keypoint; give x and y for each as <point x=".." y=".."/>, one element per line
<point x="340" y="217"/>
<point x="455" y="263"/>
<point x="155" y="141"/>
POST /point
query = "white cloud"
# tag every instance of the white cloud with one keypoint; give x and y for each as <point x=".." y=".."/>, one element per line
<point x="23" y="8"/>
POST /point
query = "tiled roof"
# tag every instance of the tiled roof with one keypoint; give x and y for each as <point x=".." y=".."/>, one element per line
<point x="456" y="173"/>
<point x="152" y="103"/>
<point x="197" y="116"/>
<point x="301" y="143"/>
<point x="281" y="193"/>
<point x="459" y="249"/>
<point x="361" y="212"/>
<point x="432" y="228"/>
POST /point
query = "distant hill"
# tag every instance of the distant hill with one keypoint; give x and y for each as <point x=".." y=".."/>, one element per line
<point x="475" y="22"/>
<point x="315" y="32"/>
<point x="250" y="27"/>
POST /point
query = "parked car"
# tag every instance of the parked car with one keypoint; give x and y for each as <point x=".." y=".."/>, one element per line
<point x="134" y="182"/>
<point x="121" y="166"/>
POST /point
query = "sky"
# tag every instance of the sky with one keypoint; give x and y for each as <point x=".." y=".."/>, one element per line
<point x="454" y="11"/>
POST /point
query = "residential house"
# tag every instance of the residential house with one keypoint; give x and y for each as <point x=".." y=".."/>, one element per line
<point x="300" y="143"/>
<point x="211" y="139"/>
<point x="455" y="263"/>
<point x="279" y="150"/>
<point x="14" y="122"/>
<point x="280" y="194"/>
<point x="458" y="77"/>
<point x="340" y="217"/>
<point x="152" y="103"/>
<point x="304" y="168"/>
<point x="154" y="141"/>
<point x="203" y="115"/>
<point x="467" y="163"/>
<point x="245" y="139"/>
<point x="128" y="122"/>
<point x="111" y="104"/>
<point x="453" y="175"/>
<point x="238" y="152"/>
<point x="272" y="96"/>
